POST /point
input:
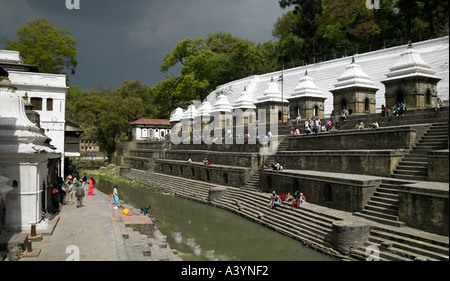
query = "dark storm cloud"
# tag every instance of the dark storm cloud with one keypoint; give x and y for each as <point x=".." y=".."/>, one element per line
<point x="126" y="40"/>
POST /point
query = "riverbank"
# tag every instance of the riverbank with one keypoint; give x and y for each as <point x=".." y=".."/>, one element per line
<point x="98" y="231"/>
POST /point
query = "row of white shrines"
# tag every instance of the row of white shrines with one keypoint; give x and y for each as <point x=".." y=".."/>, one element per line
<point x="411" y="80"/>
<point x="29" y="164"/>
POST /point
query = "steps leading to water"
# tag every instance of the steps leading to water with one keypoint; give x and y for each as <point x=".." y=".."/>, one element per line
<point x="414" y="166"/>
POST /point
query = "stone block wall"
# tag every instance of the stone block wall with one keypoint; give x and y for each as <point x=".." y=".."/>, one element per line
<point x="366" y="162"/>
<point x="438" y="168"/>
<point x="343" y="192"/>
<point x="425" y="207"/>
<point x="249" y="160"/>
<point x="383" y="138"/>
<point x="217" y="174"/>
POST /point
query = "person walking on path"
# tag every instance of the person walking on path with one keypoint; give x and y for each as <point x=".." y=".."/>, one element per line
<point x="91" y="183"/>
<point x="115" y="195"/>
<point x="79" y="193"/>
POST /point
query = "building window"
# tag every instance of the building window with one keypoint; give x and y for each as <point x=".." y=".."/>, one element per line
<point x="225" y="178"/>
<point x="327" y="193"/>
<point x="37" y="103"/>
<point x="428" y="97"/>
<point x="367" y="105"/>
<point x="15" y="183"/>
<point x="49" y="104"/>
<point x="295" y="186"/>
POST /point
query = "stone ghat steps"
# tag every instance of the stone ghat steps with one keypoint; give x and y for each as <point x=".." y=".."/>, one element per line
<point x="299" y="223"/>
<point x="309" y="225"/>
<point x="416" y="116"/>
<point x="383" y="205"/>
<point x="397" y="246"/>
<point x="253" y="182"/>
<point x="136" y="246"/>
<point x="186" y="188"/>
<point x="415" y="164"/>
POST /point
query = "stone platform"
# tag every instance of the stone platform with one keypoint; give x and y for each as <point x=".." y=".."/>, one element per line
<point x="97" y="232"/>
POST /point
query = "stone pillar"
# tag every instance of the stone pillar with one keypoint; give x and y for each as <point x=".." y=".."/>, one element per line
<point x="348" y="235"/>
<point x="215" y="193"/>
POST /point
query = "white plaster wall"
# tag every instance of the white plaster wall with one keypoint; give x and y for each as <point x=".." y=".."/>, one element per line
<point x="23" y="203"/>
<point x="376" y="64"/>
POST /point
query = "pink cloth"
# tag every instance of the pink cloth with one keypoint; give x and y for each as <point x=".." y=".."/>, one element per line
<point x="91" y="187"/>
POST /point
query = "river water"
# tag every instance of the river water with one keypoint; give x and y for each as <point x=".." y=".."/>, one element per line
<point x="202" y="232"/>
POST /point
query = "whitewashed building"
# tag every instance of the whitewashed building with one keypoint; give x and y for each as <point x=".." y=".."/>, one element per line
<point x="144" y="129"/>
<point x="47" y="92"/>
<point x="376" y="65"/>
<point x="27" y="166"/>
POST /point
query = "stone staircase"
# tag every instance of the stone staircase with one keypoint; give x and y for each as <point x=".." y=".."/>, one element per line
<point x="311" y="225"/>
<point x="414" y="166"/>
<point x="395" y="245"/>
<point x="253" y="182"/>
<point x="302" y="224"/>
<point x="383" y="205"/>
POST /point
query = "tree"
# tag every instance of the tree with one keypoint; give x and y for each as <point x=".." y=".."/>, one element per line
<point x="106" y="115"/>
<point x="50" y="48"/>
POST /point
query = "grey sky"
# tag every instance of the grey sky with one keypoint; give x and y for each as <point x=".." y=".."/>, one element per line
<point x="127" y="40"/>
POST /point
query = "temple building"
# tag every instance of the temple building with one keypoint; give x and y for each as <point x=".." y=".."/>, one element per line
<point x="411" y="81"/>
<point x="144" y="129"/>
<point x="273" y="102"/>
<point x="47" y="93"/>
<point x="307" y="100"/>
<point x="244" y="109"/>
<point x="29" y="165"/>
<point x="354" y="91"/>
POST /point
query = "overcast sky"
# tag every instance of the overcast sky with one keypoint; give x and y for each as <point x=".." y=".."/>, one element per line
<point x="121" y="40"/>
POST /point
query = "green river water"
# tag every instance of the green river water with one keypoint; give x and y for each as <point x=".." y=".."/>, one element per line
<point x="202" y="232"/>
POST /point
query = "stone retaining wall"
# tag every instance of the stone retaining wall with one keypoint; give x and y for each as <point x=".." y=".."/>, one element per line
<point x="425" y="207"/>
<point x="338" y="191"/>
<point x="224" y="175"/>
<point x="402" y="137"/>
<point x="366" y="162"/>
<point x="438" y="168"/>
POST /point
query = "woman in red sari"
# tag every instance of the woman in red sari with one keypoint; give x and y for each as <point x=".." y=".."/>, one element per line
<point x="91" y="183"/>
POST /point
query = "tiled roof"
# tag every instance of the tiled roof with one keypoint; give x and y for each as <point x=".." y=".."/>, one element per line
<point x="144" y="121"/>
<point x="73" y="129"/>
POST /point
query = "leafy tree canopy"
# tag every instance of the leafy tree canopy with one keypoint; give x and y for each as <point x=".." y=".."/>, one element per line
<point x="51" y="49"/>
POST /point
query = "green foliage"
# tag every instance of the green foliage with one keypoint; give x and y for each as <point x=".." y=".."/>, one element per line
<point x="320" y="27"/>
<point x="106" y="114"/>
<point x="50" y="48"/>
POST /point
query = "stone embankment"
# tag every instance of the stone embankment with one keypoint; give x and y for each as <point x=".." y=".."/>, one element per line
<point x="97" y="231"/>
<point x="334" y="232"/>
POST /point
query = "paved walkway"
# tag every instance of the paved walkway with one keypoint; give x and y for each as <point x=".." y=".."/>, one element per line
<point x="88" y="231"/>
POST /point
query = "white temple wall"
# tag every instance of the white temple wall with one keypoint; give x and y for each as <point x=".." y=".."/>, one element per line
<point x="24" y="202"/>
<point x="52" y="89"/>
<point x="376" y="64"/>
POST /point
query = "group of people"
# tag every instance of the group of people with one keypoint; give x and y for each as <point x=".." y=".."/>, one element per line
<point x="63" y="192"/>
<point x="399" y="109"/>
<point x="275" y="166"/>
<point x="295" y="201"/>
<point x="373" y="125"/>
<point x="315" y="125"/>
<point x="206" y="161"/>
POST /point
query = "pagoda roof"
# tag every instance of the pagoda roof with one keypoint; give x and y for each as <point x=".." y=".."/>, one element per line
<point x="354" y="76"/>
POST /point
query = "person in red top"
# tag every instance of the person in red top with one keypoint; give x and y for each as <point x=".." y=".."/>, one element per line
<point x="91" y="183"/>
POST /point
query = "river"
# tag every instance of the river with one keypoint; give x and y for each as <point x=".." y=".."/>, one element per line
<point x="202" y="232"/>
